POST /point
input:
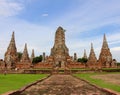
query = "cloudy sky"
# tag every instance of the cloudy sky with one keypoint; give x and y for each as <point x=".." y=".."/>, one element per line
<point x="85" y="21"/>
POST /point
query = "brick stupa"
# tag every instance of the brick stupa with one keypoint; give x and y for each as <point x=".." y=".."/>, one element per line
<point x="60" y="52"/>
<point x="92" y="60"/>
<point x="25" y="56"/>
<point x="32" y="55"/>
<point x="85" y="55"/>
<point x="105" y="58"/>
<point x="11" y="57"/>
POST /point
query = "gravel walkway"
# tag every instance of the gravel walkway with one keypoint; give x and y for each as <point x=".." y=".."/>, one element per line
<point x="62" y="85"/>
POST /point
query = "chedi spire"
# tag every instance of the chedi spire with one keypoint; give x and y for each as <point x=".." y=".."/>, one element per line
<point x="105" y="44"/>
<point x="92" y="57"/>
<point x="25" y="55"/>
<point x="105" y="58"/>
<point x="60" y="52"/>
<point x="11" y="53"/>
<point x="12" y="45"/>
<point x="85" y="55"/>
<point x="32" y="55"/>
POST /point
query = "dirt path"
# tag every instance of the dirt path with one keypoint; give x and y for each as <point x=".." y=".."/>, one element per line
<point x="62" y="85"/>
<point x="109" y="78"/>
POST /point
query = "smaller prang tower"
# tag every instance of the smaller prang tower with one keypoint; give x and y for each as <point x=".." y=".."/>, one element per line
<point x="105" y="58"/>
<point x="92" y="60"/>
<point x="85" y="55"/>
<point x="32" y="55"/>
<point x="60" y="52"/>
<point x="25" y="56"/>
<point x="11" y="57"/>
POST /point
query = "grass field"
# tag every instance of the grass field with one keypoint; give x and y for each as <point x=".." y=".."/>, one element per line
<point x="16" y="81"/>
<point x="99" y="82"/>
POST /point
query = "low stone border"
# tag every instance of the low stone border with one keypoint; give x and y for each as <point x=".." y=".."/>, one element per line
<point x="17" y="92"/>
<point x="111" y="92"/>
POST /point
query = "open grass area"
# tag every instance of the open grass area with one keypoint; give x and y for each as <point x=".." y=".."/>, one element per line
<point x="110" y="68"/>
<point x="40" y="69"/>
<point x="81" y="69"/>
<point x="11" y="82"/>
<point x="99" y="82"/>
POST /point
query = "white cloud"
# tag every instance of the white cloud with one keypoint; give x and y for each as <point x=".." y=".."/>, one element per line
<point x="114" y="38"/>
<point x="82" y="20"/>
<point x="91" y="15"/>
<point x="8" y="8"/>
<point x="44" y="15"/>
<point x="116" y="53"/>
<point x="38" y="37"/>
<point x="115" y="49"/>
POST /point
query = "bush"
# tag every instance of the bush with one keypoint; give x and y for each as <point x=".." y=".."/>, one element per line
<point x="82" y="60"/>
<point x="19" y="55"/>
<point x="118" y="64"/>
<point x="37" y="59"/>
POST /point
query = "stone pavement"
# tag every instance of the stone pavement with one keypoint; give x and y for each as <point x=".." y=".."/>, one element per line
<point x="63" y="85"/>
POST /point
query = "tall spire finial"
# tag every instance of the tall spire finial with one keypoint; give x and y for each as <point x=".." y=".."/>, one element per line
<point x="91" y="46"/>
<point x="105" y="44"/>
<point x="12" y="45"/>
<point x="13" y="35"/>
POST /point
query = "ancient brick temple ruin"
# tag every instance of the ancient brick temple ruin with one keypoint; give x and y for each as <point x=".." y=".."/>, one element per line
<point x="59" y="56"/>
<point x="105" y="58"/>
<point x="60" y="52"/>
<point x="32" y="55"/>
<point x="85" y="55"/>
<point x="92" y="60"/>
<point x="11" y="57"/>
<point x="25" y="56"/>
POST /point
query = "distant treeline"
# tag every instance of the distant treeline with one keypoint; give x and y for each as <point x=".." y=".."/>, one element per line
<point x="118" y="64"/>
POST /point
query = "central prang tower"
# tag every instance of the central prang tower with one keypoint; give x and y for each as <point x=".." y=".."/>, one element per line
<point x="60" y="52"/>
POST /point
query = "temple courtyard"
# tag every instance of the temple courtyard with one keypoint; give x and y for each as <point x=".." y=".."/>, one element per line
<point x="66" y="74"/>
<point x="76" y="84"/>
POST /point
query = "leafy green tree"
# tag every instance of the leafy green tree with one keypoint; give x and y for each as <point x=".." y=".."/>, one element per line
<point x="37" y="59"/>
<point x="19" y="54"/>
<point x="118" y="64"/>
<point x="82" y="60"/>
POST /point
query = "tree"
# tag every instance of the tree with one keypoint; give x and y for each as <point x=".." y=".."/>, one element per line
<point x="19" y="54"/>
<point x="82" y="60"/>
<point x="37" y="59"/>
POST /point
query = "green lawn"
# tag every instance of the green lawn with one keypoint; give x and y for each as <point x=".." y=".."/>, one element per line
<point x="16" y="81"/>
<point x="40" y="69"/>
<point x="80" y="69"/>
<point x="99" y="82"/>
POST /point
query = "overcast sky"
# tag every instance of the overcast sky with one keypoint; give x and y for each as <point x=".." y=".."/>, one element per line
<point x="85" y="21"/>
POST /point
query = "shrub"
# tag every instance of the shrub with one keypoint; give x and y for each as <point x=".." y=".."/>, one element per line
<point x="82" y="60"/>
<point x="37" y="59"/>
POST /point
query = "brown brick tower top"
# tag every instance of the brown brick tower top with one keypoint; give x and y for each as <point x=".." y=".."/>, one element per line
<point x="11" y="53"/>
<point x="25" y="56"/>
<point x="105" y="57"/>
<point x="92" y="57"/>
<point x="85" y="55"/>
<point x="32" y="55"/>
<point x="59" y="50"/>
<point x="75" y="57"/>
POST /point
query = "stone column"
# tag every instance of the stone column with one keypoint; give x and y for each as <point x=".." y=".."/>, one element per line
<point x="75" y="57"/>
<point x="43" y="57"/>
